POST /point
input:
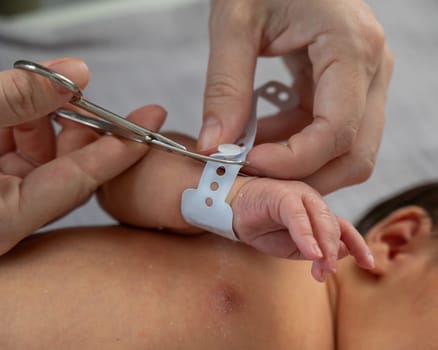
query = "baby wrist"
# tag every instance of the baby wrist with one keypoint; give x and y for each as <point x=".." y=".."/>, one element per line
<point x="235" y="190"/>
<point x="208" y="205"/>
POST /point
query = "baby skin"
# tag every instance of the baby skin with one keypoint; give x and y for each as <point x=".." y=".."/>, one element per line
<point x="286" y="219"/>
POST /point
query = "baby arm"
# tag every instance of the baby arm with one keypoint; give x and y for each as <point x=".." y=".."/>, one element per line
<point x="286" y="219"/>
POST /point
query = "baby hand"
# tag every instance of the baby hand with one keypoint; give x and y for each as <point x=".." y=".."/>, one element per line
<point x="289" y="219"/>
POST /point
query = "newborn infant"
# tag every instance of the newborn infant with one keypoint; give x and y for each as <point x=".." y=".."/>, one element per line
<point x="286" y="219"/>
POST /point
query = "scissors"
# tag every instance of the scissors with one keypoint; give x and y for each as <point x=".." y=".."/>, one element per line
<point x="112" y="123"/>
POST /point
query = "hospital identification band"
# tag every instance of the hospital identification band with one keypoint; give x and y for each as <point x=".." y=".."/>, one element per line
<point x="206" y="206"/>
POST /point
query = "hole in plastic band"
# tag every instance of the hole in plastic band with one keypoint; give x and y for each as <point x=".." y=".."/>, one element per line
<point x="208" y="202"/>
<point x="214" y="186"/>
<point x="220" y="171"/>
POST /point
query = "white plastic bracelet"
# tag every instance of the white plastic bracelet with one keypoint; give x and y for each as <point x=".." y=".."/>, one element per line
<point x="206" y="206"/>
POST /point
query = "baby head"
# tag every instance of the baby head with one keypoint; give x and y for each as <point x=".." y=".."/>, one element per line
<point x="394" y="306"/>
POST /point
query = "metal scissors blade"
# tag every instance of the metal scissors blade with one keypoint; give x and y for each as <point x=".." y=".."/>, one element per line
<point x="99" y="124"/>
<point x="108" y="128"/>
<point x="110" y="122"/>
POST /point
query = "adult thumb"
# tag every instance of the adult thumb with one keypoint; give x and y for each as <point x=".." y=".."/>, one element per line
<point x="229" y="85"/>
<point x="25" y="96"/>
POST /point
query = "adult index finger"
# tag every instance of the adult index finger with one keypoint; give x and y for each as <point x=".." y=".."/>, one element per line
<point x="339" y="104"/>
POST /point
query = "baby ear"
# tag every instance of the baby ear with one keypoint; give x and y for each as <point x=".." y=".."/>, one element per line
<point x="394" y="235"/>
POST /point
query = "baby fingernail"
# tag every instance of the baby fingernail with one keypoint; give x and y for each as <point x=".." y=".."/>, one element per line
<point x="321" y="277"/>
<point x="371" y="261"/>
<point x="325" y="274"/>
<point x="316" y="251"/>
<point x="332" y="263"/>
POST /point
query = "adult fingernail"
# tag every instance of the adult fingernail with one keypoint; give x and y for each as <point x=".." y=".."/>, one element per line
<point x="210" y="133"/>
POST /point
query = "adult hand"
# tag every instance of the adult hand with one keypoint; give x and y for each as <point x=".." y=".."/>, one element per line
<point x="341" y="67"/>
<point x="44" y="176"/>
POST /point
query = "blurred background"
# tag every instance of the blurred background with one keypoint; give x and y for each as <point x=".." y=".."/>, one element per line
<point x="155" y="51"/>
